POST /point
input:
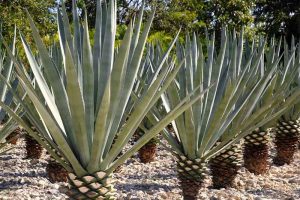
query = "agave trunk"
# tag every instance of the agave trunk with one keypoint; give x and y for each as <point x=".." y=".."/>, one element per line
<point x="91" y="186"/>
<point x="286" y="141"/>
<point x="13" y="137"/>
<point x="56" y="172"/>
<point x="225" y="166"/>
<point x="256" y="151"/>
<point x="33" y="149"/>
<point x="148" y="152"/>
<point x="191" y="174"/>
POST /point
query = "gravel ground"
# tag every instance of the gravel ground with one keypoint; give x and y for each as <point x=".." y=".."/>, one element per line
<point x="26" y="179"/>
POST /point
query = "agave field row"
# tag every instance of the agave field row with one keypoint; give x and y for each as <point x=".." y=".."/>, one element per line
<point x="215" y="99"/>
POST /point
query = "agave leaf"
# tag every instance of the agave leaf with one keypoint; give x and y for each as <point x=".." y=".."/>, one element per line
<point x="179" y="109"/>
<point x="107" y="56"/>
<point x="88" y="82"/>
<point x="76" y="103"/>
<point x="52" y="74"/>
<point x="31" y="133"/>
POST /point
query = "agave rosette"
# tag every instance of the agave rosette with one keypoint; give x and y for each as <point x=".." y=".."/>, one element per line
<point x="242" y="99"/>
<point x="82" y="100"/>
<point x="8" y="125"/>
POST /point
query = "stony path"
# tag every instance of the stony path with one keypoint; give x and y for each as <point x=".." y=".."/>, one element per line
<point x="26" y="179"/>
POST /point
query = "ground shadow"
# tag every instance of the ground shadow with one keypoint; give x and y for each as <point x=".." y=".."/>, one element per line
<point x="13" y="184"/>
<point x="272" y="193"/>
<point x="145" y="187"/>
<point x="156" y="176"/>
<point x="25" y="174"/>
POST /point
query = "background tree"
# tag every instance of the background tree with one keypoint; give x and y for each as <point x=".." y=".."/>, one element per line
<point x="232" y="13"/>
<point x="126" y="9"/>
<point x="278" y="17"/>
<point x="174" y="14"/>
<point x="13" y="13"/>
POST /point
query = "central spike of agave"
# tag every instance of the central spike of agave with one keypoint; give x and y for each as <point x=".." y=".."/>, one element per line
<point x="83" y="93"/>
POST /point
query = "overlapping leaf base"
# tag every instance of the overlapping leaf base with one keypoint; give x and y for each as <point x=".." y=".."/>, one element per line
<point x="93" y="186"/>
<point x="286" y="141"/>
<point x="56" y="172"/>
<point x="34" y="150"/>
<point x="191" y="174"/>
<point x="225" y="166"/>
<point x="148" y="151"/>
<point x="256" y="151"/>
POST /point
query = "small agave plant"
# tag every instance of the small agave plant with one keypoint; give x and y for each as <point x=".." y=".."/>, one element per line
<point x="256" y="148"/>
<point x="81" y="117"/>
<point x="287" y="131"/>
<point x="8" y="125"/>
<point x="228" y="111"/>
<point x="230" y="159"/>
<point x="146" y="73"/>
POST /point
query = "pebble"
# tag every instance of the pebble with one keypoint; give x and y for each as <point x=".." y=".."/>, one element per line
<point x="153" y="181"/>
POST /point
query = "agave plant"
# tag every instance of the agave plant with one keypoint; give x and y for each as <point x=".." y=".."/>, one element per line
<point x="86" y="97"/>
<point x="278" y="92"/>
<point x="288" y="128"/>
<point x="229" y="110"/>
<point x="8" y="125"/>
<point x="146" y="73"/>
<point x="256" y="144"/>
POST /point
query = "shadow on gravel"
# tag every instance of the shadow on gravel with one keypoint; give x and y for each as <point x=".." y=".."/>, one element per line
<point x="156" y="176"/>
<point x="145" y="187"/>
<point x="26" y="174"/>
<point x="13" y="184"/>
<point x="6" y="158"/>
<point x="271" y="193"/>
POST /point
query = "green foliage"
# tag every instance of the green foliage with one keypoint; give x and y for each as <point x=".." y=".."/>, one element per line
<point x="13" y="13"/>
<point x="160" y="37"/>
<point x="278" y="17"/>
<point x="175" y="14"/>
<point x="233" y="13"/>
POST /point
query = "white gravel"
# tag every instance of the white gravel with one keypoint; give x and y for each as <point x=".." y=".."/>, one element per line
<point x="26" y="179"/>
